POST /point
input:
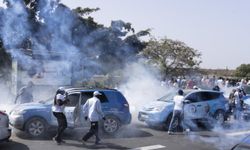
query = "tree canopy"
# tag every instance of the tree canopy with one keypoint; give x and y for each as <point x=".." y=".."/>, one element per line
<point x="243" y="70"/>
<point x="47" y="26"/>
<point x="172" y="57"/>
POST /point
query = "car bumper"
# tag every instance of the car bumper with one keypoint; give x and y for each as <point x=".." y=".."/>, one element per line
<point x="5" y="134"/>
<point x="17" y="121"/>
<point x="151" y="118"/>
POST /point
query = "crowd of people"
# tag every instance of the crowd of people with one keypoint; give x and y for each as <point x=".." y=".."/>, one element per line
<point x="204" y="82"/>
<point x="235" y="99"/>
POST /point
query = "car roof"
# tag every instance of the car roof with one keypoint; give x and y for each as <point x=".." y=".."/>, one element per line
<point x="83" y="89"/>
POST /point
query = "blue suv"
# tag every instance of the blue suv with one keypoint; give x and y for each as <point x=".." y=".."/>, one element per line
<point x="200" y="106"/>
<point x="37" y="118"/>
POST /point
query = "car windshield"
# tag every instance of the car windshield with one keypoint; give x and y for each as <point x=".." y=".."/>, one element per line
<point x="170" y="96"/>
<point x="167" y="98"/>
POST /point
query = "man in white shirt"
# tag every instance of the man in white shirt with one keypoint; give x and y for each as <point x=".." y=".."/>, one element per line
<point x="58" y="112"/>
<point x="92" y="110"/>
<point x="178" y="106"/>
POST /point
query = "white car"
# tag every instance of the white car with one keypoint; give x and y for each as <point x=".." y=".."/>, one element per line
<point x="5" y="131"/>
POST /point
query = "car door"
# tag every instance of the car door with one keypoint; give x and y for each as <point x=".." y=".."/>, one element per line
<point x="213" y="101"/>
<point x="70" y="108"/>
<point x="78" y="113"/>
<point x="195" y="107"/>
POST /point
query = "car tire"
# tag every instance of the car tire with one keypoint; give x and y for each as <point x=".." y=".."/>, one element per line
<point x="110" y="125"/>
<point x="168" y="121"/>
<point x="36" y="127"/>
<point x="219" y="117"/>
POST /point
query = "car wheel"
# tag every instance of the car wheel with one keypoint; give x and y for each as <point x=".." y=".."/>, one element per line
<point x="111" y="125"/>
<point x="168" y="121"/>
<point x="36" y="127"/>
<point x="219" y="117"/>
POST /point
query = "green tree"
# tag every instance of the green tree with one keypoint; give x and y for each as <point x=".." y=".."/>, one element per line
<point x="243" y="70"/>
<point x="172" y="57"/>
<point x="105" y="49"/>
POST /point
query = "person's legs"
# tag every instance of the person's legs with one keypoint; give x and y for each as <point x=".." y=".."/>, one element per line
<point x="96" y="129"/>
<point x="91" y="131"/>
<point x="62" y="124"/>
<point x="56" y="114"/>
<point x="176" y="115"/>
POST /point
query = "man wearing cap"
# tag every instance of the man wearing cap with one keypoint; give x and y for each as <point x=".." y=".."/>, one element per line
<point x="58" y="111"/>
<point x="92" y="110"/>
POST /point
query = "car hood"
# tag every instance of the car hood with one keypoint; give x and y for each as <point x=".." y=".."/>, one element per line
<point x="33" y="105"/>
<point x="157" y="104"/>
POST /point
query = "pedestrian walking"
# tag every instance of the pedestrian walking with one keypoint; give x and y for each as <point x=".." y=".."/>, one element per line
<point x="93" y="111"/>
<point x="58" y="111"/>
<point x="177" y="113"/>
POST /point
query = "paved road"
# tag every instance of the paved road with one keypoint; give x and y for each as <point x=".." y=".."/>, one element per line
<point x="135" y="136"/>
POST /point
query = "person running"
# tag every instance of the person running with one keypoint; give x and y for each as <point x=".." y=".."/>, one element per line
<point x="177" y="113"/>
<point x="58" y="111"/>
<point x="92" y="110"/>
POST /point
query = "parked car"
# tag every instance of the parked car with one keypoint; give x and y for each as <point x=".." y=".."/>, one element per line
<point x="5" y="131"/>
<point x="37" y="118"/>
<point x="246" y="109"/>
<point x="202" y="106"/>
<point x="246" y="89"/>
<point x="243" y="145"/>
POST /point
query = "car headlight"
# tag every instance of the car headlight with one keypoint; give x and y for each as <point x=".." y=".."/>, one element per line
<point x="159" y="108"/>
<point x="18" y="112"/>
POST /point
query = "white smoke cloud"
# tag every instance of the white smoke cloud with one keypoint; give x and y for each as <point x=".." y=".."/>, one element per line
<point x="141" y="87"/>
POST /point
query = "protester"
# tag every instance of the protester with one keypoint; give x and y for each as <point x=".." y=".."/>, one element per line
<point x="25" y="94"/>
<point x="58" y="111"/>
<point x="93" y="111"/>
<point x="177" y="113"/>
<point x="231" y="101"/>
<point x="238" y="104"/>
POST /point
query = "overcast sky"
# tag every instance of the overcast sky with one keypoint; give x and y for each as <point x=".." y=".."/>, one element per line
<point x="219" y="29"/>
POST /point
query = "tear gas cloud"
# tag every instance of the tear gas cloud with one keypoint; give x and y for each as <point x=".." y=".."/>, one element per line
<point x="142" y="87"/>
<point x="57" y="34"/>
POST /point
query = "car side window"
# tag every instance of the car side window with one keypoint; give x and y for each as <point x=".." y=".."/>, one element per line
<point x="103" y="98"/>
<point x="87" y="95"/>
<point x="206" y="96"/>
<point x="73" y="100"/>
<point x="193" y="97"/>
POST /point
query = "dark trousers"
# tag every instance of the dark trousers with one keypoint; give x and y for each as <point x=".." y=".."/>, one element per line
<point x="62" y="125"/>
<point x="92" y="131"/>
<point x="176" y="117"/>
